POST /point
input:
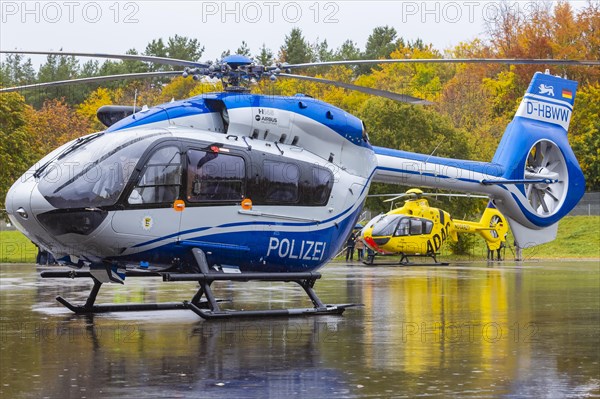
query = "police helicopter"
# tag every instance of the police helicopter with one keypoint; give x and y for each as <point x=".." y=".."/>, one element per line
<point x="417" y="229"/>
<point x="238" y="186"/>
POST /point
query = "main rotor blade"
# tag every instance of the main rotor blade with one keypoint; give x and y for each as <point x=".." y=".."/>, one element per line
<point x="368" y="90"/>
<point x="455" y="195"/>
<point x="385" y="195"/>
<point x="395" y="198"/>
<point x="92" y="80"/>
<point x="510" y="61"/>
<point x="125" y="57"/>
<point x="398" y="196"/>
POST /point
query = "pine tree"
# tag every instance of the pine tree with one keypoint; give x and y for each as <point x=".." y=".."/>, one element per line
<point x="265" y="56"/>
<point x="243" y="49"/>
<point x="295" y="49"/>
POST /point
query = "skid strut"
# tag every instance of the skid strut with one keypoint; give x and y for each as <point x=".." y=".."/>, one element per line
<point x="89" y="306"/>
<point x="204" y="302"/>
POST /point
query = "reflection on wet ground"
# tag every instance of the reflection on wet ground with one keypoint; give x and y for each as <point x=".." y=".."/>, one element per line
<point x="460" y="330"/>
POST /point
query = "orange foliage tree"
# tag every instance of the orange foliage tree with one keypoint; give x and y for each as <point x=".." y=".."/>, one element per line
<point x="55" y="124"/>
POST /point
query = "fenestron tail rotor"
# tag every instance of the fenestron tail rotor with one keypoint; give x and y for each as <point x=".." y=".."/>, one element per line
<point x="545" y="162"/>
<point x="493" y="223"/>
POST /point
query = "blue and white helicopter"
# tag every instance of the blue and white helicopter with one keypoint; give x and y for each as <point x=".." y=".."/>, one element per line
<point x="240" y="186"/>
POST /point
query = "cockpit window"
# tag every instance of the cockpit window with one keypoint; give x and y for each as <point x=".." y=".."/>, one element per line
<point x="160" y="180"/>
<point x="403" y="227"/>
<point x="95" y="173"/>
<point x="386" y="226"/>
<point x="413" y="226"/>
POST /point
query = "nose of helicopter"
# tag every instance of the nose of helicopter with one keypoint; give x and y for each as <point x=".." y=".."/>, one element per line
<point x="368" y="238"/>
<point x="21" y="213"/>
<point x="18" y="203"/>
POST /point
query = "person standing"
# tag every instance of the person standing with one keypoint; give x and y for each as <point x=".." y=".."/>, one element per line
<point x="350" y="247"/>
<point x="360" y="247"/>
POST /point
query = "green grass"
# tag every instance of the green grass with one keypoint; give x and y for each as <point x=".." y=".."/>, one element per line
<point x="578" y="237"/>
<point x="16" y="248"/>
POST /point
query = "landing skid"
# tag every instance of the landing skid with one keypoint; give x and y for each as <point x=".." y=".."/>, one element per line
<point x="404" y="261"/>
<point x="204" y="303"/>
<point x="89" y="307"/>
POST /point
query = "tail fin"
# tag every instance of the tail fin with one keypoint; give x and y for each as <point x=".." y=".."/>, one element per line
<point x="542" y="180"/>
<point x="492" y="227"/>
<point x="498" y="227"/>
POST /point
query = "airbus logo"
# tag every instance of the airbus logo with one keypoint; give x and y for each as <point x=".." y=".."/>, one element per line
<point x="549" y="90"/>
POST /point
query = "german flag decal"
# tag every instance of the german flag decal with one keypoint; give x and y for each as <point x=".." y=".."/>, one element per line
<point x="567" y="94"/>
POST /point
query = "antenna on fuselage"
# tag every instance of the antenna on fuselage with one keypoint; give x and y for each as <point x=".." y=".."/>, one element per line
<point x="435" y="149"/>
<point x="135" y="102"/>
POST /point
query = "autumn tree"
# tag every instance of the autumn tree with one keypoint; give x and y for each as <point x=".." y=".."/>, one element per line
<point x="412" y="128"/>
<point x="420" y="79"/>
<point x="88" y="108"/>
<point x="585" y="134"/>
<point x="17" y="144"/>
<point x="26" y="134"/>
<point x="55" y="124"/>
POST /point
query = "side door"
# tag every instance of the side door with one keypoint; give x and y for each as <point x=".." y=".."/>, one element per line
<point x="149" y="217"/>
<point x="215" y="185"/>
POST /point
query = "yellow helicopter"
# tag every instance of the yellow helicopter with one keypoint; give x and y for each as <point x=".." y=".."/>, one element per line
<point x="417" y="229"/>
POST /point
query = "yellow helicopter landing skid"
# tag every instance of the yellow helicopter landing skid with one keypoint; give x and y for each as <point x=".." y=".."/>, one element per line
<point x="404" y="260"/>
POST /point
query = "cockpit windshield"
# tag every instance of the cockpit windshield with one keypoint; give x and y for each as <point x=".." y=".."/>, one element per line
<point x="399" y="225"/>
<point x="94" y="174"/>
<point x="386" y="225"/>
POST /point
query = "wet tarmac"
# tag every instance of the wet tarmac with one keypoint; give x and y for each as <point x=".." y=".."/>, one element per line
<point x="463" y="330"/>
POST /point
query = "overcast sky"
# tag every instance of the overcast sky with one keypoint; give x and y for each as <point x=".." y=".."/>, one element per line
<point x="116" y="26"/>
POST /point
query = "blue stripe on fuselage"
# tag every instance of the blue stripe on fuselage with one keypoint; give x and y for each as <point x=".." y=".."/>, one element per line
<point x="273" y="251"/>
<point x="242" y="224"/>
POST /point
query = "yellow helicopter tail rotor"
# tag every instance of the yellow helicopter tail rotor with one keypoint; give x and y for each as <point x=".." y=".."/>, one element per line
<point x="494" y="227"/>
